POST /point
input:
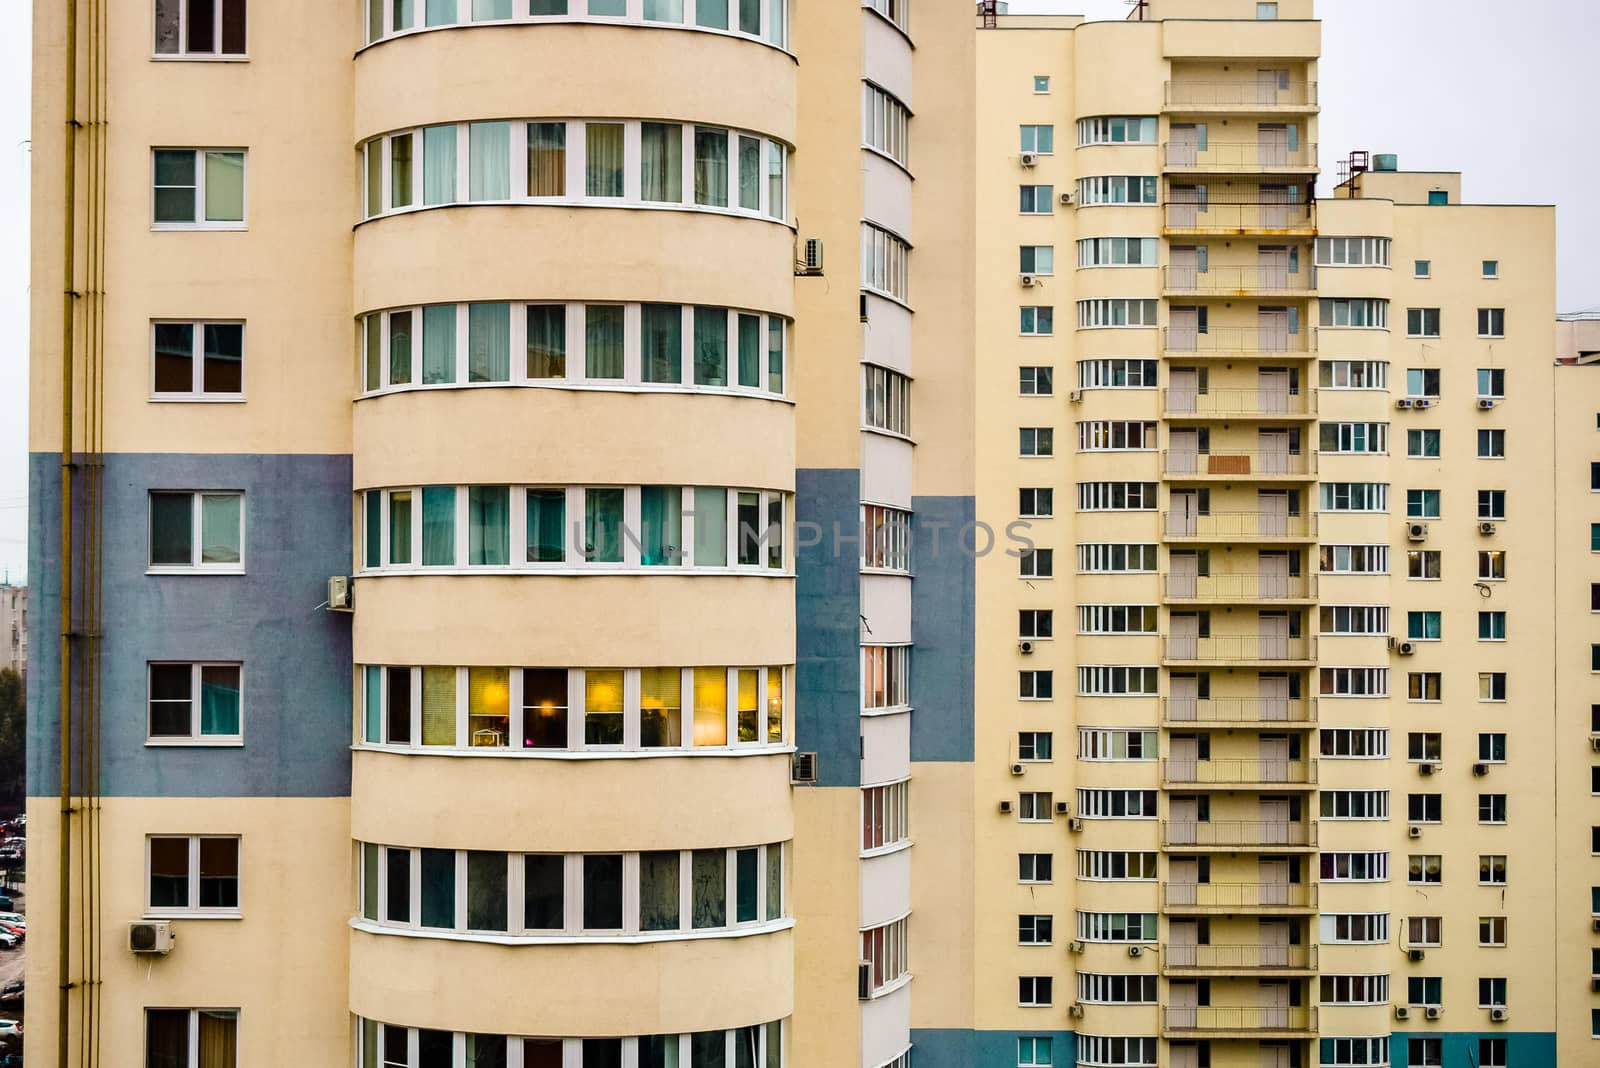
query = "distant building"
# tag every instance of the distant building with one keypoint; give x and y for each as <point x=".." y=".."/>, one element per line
<point x="1578" y="336"/>
<point x="14" y="627"/>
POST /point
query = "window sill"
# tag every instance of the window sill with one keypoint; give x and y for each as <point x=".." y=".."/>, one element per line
<point x="201" y="228"/>
<point x="578" y="385"/>
<point x="374" y="927"/>
<point x="189" y="571"/>
<point x="618" y="203"/>
<point x="892" y="572"/>
<point x="488" y="752"/>
<point x="575" y="20"/>
<point x="556" y="569"/>
<point x="888" y="850"/>
<point x="892" y="710"/>
<point x="890" y="297"/>
<point x="194" y="743"/>
<point x="187" y="398"/>
<point x="894" y="435"/>
<point x="173" y="914"/>
<point x="890" y="987"/>
<point x="199" y="57"/>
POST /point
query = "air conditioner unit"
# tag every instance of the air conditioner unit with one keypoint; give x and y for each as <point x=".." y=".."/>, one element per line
<point x="1404" y="403"/>
<point x="1135" y="951"/>
<point x="1480" y="770"/>
<point x="1066" y="198"/>
<point x="1596" y="924"/>
<point x="1424" y="402"/>
<point x="1075" y="824"/>
<point x="1499" y="1015"/>
<point x="1075" y="947"/>
<point x="1486" y="528"/>
<point x="1005" y="807"/>
<point x="1486" y="403"/>
<point x="339" y="594"/>
<point x="803" y="768"/>
<point x="1029" y="281"/>
<point x="1030" y="158"/>
<point x="1594" y="983"/>
<point x="1076" y="396"/>
<point x="1415" y="955"/>
<point x="1024" y="647"/>
<point x="1075" y="1011"/>
<point x="1433" y="1012"/>
<point x="811" y="259"/>
<point x="1427" y="767"/>
<point x="151" y="937"/>
<point x="1018" y="769"/>
<point x="1414" y="831"/>
<point x="1416" y="531"/>
<point x="1062" y="808"/>
<point x="864" y="315"/>
<point x="864" y="980"/>
<point x="1594" y="743"/>
<point x="1402" y="1012"/>
<point x="1405" y="648"/>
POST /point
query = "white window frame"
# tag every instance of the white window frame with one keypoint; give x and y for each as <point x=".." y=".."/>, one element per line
<point x="194" y="739"/>
<point x="198" y="393"/>
<point x="197" y="545"/>
<point x="193" y="910"/>
<point x="194" y="1030"/>
<point x="200" y="223"/>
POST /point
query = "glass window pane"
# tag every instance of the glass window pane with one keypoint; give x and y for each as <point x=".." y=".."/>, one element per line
<point x="749" y="170"/>
<point x="777" y="160"/>
<point x="169" y="872"/>
<point x="224" y="357"/>
<point x="166" y="1037"/>
<point x="400" y="171"/>
<point x="547" y="7"/>
<point x="749" y="350"/>
<point x="547" y="153"/>
<point x="708" y="1049"/>
<point x="603" y="166"/>
<point x="439" y="888"/>
<point x="710" y="706"/>
<point x="399" y="732"/>
<point x="439" y="526"/>
<point x="660" y="707"/>
<point x="171" y="700"/>
<point x="663" y="10"/>
<point x="438" y="706"/>
<point x="489" y="706"/>
<point x="489" y="155"/>
<point x="400" y="527"/>
<point x="486" y="891"/>
<point x="399" y="348"/>
<point x="439" y="344"/>
<point x="711" y="346"/>
<point x="710" y="527"/>
<point x="374" y="168"/>
<point x="774" y="881"/>
<point x="175" y="186"/>
<point x="658" y="891"/>
<point x="174" y="345"/>
<point x="369" y="882"/>
<point x="659" y="1051"/>
<point x="233" y="30"/>
<point x="602" y="522"/>
<point x="219" y="700"/>
<point x="602" y="892"/>
<point x="608" y="7"/>
<point x="775" y="354"/>
<point x="485" y="10"/>
<point x="440" y="12"/>
<point x="547" y="510"/>
<point x="547" y="341"/>
<point x="438" y="157"/>
<point x="746" y="876"/>
<point x="487" y="1051"/>
<point x="489" y="343"/>
<point x="661" y="161"/>
<point x="602" y="707"/>
<point x="603" y="333"/>
<point x="489" y="525"/>
<point x="709" y="888"/>
<point x="749" y="520"/>
<point x="661" y="343"/>
<point x="167" y="43"/>
<point x="543" y="892"/>
<point x="602" y="1052"/>
<point x="397" y="899"/>
<point x="711" y="152"/>
<point x="661" y="525"/>
<point x="712" y="13"/>
<point x="435" y="1049"/>
<point x="544" y="708"/>
<point x="749" y="705"/>
<point x="220" y="519"/>
<point x="219" y="873"/>
<point x="775" y="705"/>
<point x="224" y="187"/>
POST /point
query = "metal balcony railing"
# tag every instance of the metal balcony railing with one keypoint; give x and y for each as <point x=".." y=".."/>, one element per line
<point x="1237" y="403"/>
<point x="1242" y="958"/>
<point x="1239" y="710"/>
<point x="1238" y="280"/>
<point x="1241" y="93"/>
<point x="1239" y="895"/>
<point x="1247" y="833"/>
<point x="1238" y="526"/>
<point x="1238" y="771"/>
<point x="1237" y="463"/>
<point x="1238" y="157"/>
<point x="1240" y="648"/>
<point x="1236" y="586"/>
<point x="1217" y="218"/>
<point x="1268" y="339"/>
<point x="1243" y="1018"/>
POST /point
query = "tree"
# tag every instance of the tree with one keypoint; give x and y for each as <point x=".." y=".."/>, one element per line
<point x="13" y="739"/>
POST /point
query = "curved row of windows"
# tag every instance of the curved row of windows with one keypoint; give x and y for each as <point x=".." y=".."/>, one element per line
<point x="760" y="20"/>
<point x="544" y="895"/>
<point x="603" y="163"/>
<point x="527" y="709"/>
<point x="694" y="347"/>
<point x="555" y="527"/>
<point x="385" y="1045"/>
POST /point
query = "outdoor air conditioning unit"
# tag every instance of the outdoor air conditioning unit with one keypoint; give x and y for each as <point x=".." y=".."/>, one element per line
<point x="1414" y="831"/>
<point x="1075" y="824"/>
<point x="1596" y="924"/>
<point x="1005" y="807"/>
<point x="1029" y="159"/>
<point x="1075" y="947"/>
<point x="1480" y="770"/>
<point x="864" y="980"/>
<point x="1424" y="402"/>
<point x="803" y="768"/>
<point x="1135" y="951"/>
<point x="1415" y="955"/>
<point x="1594" y="742"/>
<point x="1486" y="403"/>
<point x="811" y="258"/>
<point x="1066" y="198"/>
<point x="1076" y="396"/>
<point x="1405" y="648"/>
<point x="1430" y="767"/>
<point x="1485" y="528"/>
<point x="153" y="937"/>
<point x="1024" y="647"/>
<point x="1499" y="1015"/>
<point x="1594" y="983"/>
<point x="1404" y="403"/>
<point x="339" y="594"/>
<point x="1402" y="1012"/>
<point x="1434" y="1012"/>
<point x="1416" y="531"/>
<point x="1075" y="1011"/>
<point x="1062" y="808"/>
<point x="1018" y="769"/>
<point x="1029" y="281"/>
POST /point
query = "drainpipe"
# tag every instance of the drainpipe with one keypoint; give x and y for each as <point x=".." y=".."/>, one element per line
<point x="69" y="185"/>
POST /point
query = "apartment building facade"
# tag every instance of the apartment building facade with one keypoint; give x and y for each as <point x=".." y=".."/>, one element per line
<point x="14" y="628"/>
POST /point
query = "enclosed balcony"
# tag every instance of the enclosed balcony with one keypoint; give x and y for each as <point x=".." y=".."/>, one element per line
<point x="1224" y="1021"/>
<point x="1270" y="401"/>
<point x="1239" y="588"/>
<point x="1246" y="712"/>
<point x="1266" y="648"/>
<point x="1264" y="156"/>
<point x="1247" y="835"/>
<point x="1251" y="773"/>
<point x="1239" y="898"/>
<point x="1266" y="211"/>
<point x="1274" y="337"/>
<point x="1219" y="960"/>
<point x="1266" y="280"/>
<point x="1239" y="465"/>
<point x="1268" y="92"/>
<point x="1263" y="528"/>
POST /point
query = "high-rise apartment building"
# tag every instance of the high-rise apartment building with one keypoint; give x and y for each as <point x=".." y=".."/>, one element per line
<point x="1161" y="666"/>
<point x="14" y="628"/>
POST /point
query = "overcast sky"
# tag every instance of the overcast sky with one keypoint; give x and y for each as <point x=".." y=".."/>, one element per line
<point x="1502" y="92"/>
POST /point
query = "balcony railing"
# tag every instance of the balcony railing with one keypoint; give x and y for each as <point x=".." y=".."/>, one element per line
<point x="1270" y="710"/>
<point x="1215" y="218"/>
<point x="1238" y="157"/>
<point x="1240" y="648"/>
<point x="1244" y="833"/>
<point x="1250" y="771"/>
<point x="1238" y="280"/>
<point x="1236" y="586"/>
<point x="1268" y="339"/>
<point x="1242" y="1018"/>
<point x="1237" y="463"/>
<point x="1241" y="93"/>
<point x="1258" y="403"/>
<point x="1237" y="958"/>
<point x="1239" y="895"/>
<point x="1238" y="526"/>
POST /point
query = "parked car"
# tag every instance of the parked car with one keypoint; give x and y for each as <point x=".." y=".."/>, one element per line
<point x="6" y="904"/>
<point x="10" y="1027"/>
<point x="8" y="940"/>
<point x="13" y="917"/>
<point x="15" y="929"/>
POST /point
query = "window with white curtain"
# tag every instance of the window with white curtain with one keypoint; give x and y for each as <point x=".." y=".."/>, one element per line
<point x="1116" y="312"/>
<point x="1117" y="189"/>
<point x="758" y="20"/>
<point x="1117" y="130"/>
<point x="887" y="399"/>
<point x="884" y="121"/>
<point x="885" y="676"/>
<point x="1117" y="252"/>
<point x="884" y="267"/>
<point x="198" y="189"/>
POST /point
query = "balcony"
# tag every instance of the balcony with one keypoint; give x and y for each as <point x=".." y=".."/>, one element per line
<point x="1237" y="465"/>
<point x="1249" y="835"/>
<point x="1267" y="282"/>
<point x="1270" y="340"/>
<point x="1264" y="217"/>
<point x="1238" y="588"/>
<point x="1231" y="960"/>
<point x="1242" y="649"/>
<point x="1243" y="95"/>
<point x="1238" y="157"/>
<point x="1245" y="773"/>
<point x="1259" y="403"/>
<point x="1226" y="1021"/>
<point x="1238" y="898"/>
<point x="1230" y="712"/>
<point x="1265" y="528"/>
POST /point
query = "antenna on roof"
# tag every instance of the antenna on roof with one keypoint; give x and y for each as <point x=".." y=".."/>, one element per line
<point x="1358" y="163"/>
<point x="1139" y="8"/>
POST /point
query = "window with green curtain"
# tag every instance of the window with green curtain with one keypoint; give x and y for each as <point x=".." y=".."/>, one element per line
<point x="746" y="877"/>
<point x="489" y="525"/>
<point x="603" y="163"/>
<point x="399" y="348"/>
<point x="548" y="7"/>
<point x="661" y="161"/>
<point x="710" y="527"/>
<point x="489" y="159"/>
<point x="777" y="162"/>
<point x="488" y="706"/>
<point x="775" y="328"/>
<point x="750" y="173"/>
<point x="487" y="903"/>
<point x="710" y="706"/>
<point x="749" y="350"/>
<point x="602" y="525"/>
<point x="369" y="885"/>
<point x="489" y="343"/>
<point x="487" y="10"/>
<point x="172" y="528"/>
<point x="439" y="344"/>
<point x="399" y="706"/>
<point x="659" y="889"/>
<point x="439" y="888"/>
<point x="547" y="523"/>
<point x="400" y="171"/>
<point x="774" y="881"/>
<point x="710" y="346"/>
<point x="608" y="7"/>
<point x="221" y="524"/>
<point x="439" y="526"/>
<point x="374" y="155"/>
<point x="438" y="706"/>
<point x="602" y="707"/>
<point x="400" y="527"/>
<point x="603" y="335"/>
<point x="224" y="187"/>
<point x="438" y="161"/>
<point x="660" y="707"/>
<point x="661" y="525"/>
<point x="440" y="12"/>
<point x="711" y="158"/>
<point x="711" y="13"/>
<point x="748" y="697"/>
<point x="219" y="700"/>
<point x="374" y="525"/>
<point x="372" y="333"/>
<point x="372" y="731"/>
<point x="547" y="341"/>
<point x="547" y="158"/>
<point x="663" y="10"/>
<point x="405" y="14"/>
<point x="661" y="343"/>
<point x="709" y="889"/>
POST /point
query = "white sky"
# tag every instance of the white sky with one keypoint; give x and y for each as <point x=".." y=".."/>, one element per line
<point x="1503" y="93"/>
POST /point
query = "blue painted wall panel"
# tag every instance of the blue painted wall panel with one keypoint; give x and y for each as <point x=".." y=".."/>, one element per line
<point x="297" y="660"/>
<point x="953" y="1048"/>
<point x="828" y="621"/>
<point x="943" y="601"/>
<point x="1532" y="1048"/>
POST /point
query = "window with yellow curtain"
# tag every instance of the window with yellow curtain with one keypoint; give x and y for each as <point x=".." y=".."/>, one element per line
<point x="438" y="706"/>
<point x="775" y="705"/>
<point x="489" y="706"/>
<point x="602" y="708"/>
<point x="219" y="1038"/>
<point x="660" y="707"/>
<point x="749" y="705"/>
<point x="547" y="159"/>
<point x="710" y="706"/>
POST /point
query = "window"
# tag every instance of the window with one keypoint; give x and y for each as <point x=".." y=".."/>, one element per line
<point x="1034" y="991"/>
<point x="194" y="703"/>
<point x="1041" y="84"/>
<point x="1422" y="564"/>
<point x="1117" y="926"/>
<point x="1034" y="867"/>
<point x="1425" y="1052"/>
<point x="1353" y="619"/>
<point x="1354" y="681"/>
<point x="1116" y="496"/>
<point x="1036" y="441"/>
<point x="1354" y="437"/>
<point x="1116" y="865"/>
<point x="1037" y="199"/>
<point x="1424" y="808"/>
<point x="1116" y="1050"/>
<point x="1492" y="564"/>
<point x="1491" y="808"/>
<point x="1491" y="322"/>
<point x="1352" y="251"/>
<point x="1355" y="927"/>
<point x="1422" y="504"/>
<point x="1422" y="382"/>
<point x="1037" y="381"/>
<point x="1116" y="619"/>
<point x="758" y="1046"/>
<point x="1096" y="743"/>
<point x="1492" y="686"/>
<point x="1492" y="748"/>
<point x="1422" y="444"/>
<point x="1266" y="12"/>
<point x="1117" y="130"/>
<point x="1355" y="804"/>
<point x="1037" y="563"/>
<point x="887" y="399"/>
<point x="1035" y="1052"/>
<point x="1116" y="558"/>
<point x="1353" y="374"/>
<point x="1424" y="868"/>
<point x="1492" y="870"/>
<point x="1423" y="626"/>
<point x="1369" y="313"/>
<point x="1423" y="686"/>
<point x="199" y="531"/>
<point x="885" y="949"/>
<point x="885" y="538"/>
<point x="1492" y="932"/>
<point x="1041" y="139"/>
<point x="1037" y="259"/>
<point x="200" y="28"/>
<point x="1354" y="1051"/>
<point x="884" y="121"/>
<point x="199" y="189"/>
<point x="884" y="819"/>
<point x="1353" y="989"/>
<point x="1491" y="993"/>
<point x="1491" y="444"/>
<point x="1438" y="197"/>
<point x="1117" y="252"/>
<point x="1355" y="496"/>
<point x="885" y="676"/>
<point x="1037" y="321"/>
<point x="884" y="268"/>
<point x="1117" y="804"/>
<point x="1491" y="503"/>
<point x="198" y="360"/>
<point x="1422" y="322"/>
<point x="197" y="875"/>
<point x="1354" y="743"/>
<point x="1355" y="559"/>
<point x="1117" y="189"/>
<point x="1036" y="685"/>
<point x="1491" y="382"/>
<point x="1034" y="746"/>
<point x="1033" y="930"/>
<point x="1491" y="268"/>
<point x="1422" y="269"/>
<point x="1116" y="312"/>
<point x="1117" y="435"/>
<point x="1035" y="624"/>
<point x="1036" y="502"/>
<point x="191" y="1038"/>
